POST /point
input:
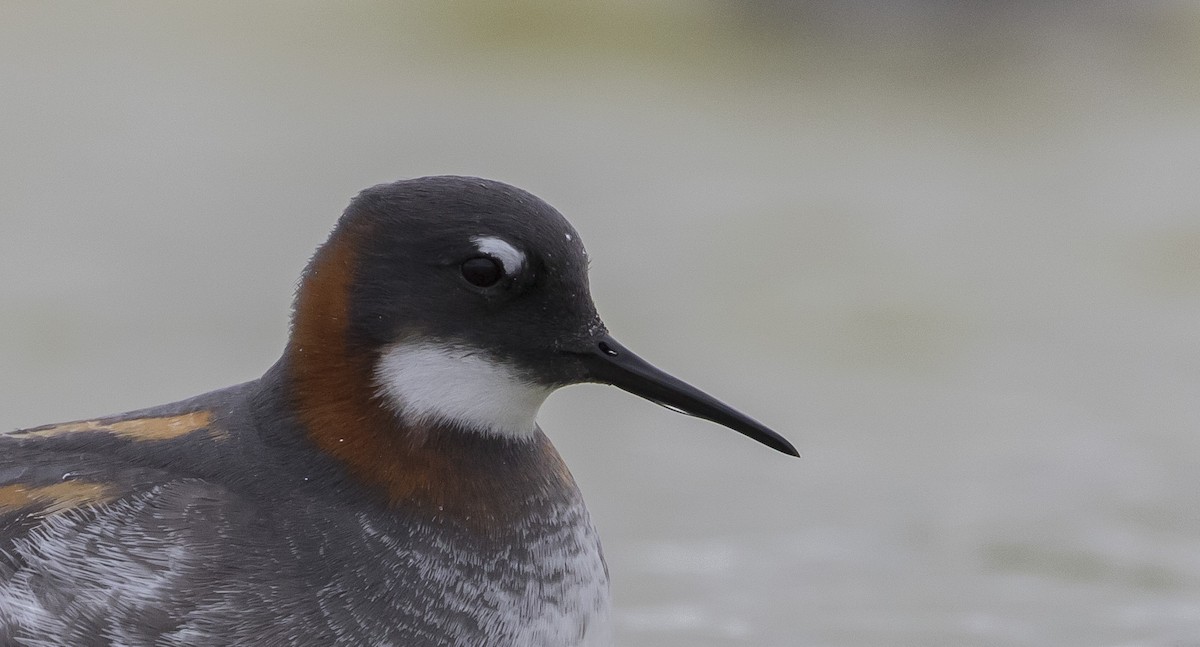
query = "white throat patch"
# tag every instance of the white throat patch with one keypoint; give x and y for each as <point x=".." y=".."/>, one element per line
<point x="428" y="382"/>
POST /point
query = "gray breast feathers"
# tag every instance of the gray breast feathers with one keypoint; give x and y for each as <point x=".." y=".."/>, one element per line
<point x="186" y="562"/>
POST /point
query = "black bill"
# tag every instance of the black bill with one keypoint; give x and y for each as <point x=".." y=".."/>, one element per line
<point x="611" y="363"/>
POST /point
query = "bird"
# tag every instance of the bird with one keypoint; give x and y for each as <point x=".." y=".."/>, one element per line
<point x="385" y="482"/>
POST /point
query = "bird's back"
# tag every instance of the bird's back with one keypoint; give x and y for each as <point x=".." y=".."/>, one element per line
<point x="197" y="524"/>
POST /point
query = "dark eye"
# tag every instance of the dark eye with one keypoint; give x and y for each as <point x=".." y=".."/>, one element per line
<point x="482" y="271"/>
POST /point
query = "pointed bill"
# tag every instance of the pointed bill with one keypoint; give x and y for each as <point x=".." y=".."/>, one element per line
<point x="611" y="363"/>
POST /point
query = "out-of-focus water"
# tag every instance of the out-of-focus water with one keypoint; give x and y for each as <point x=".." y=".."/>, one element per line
<point x="954" y="255"/>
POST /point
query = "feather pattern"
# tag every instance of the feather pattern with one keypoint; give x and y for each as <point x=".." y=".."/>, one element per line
<point x="215" y="539"/>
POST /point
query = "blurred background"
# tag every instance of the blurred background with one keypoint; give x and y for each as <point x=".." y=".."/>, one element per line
<point x="950" y="249"/>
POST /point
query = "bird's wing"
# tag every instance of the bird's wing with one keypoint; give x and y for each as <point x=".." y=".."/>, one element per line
<point x="96" y="549"/>
<point x="84" y="471"/>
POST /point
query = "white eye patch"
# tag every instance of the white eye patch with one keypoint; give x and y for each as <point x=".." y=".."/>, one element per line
<point x="510" y="257"/>
<point x="427" y="382"/>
